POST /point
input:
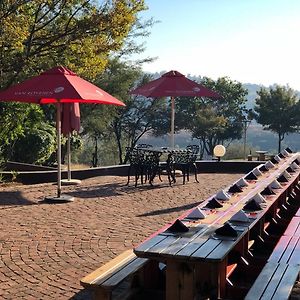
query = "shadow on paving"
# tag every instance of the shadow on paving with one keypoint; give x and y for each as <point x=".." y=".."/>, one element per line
<point x="107" y="190"/>
<point x="13" y="198"/>
<point x="169" y="210"/>
<point x="144" y="187"/>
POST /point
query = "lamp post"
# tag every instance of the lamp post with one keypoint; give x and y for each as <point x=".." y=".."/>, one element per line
<point x="246" y="124"/>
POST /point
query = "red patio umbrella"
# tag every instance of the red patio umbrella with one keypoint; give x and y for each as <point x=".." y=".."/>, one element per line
<point x="174" y="84"/>
<point x="58" y="85"/>
<point x="70" y="122"/>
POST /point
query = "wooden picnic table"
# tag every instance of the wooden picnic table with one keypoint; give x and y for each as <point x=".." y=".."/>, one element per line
<point x="199" y="261"/>
<point x="261" y="155"/>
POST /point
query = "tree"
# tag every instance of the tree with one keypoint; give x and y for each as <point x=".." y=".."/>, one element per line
<point x="36" y="145"/>
<point x="278" y="109"/>
<point x="96" y="120"/>
<point x="15" y="123"/>
<point x="214" y="121"/>
<point x="207" y="126"/>
<point x="80" y="34"/>
<point x="126" y="125"/>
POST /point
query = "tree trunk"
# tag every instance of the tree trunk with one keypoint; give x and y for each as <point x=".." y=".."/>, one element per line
<point x="120" y="150"/>
<point x="201" y="149"/>
<point x="117" y="132"/>
<point x="95" y="154"/>
<point x="280" y="139"/>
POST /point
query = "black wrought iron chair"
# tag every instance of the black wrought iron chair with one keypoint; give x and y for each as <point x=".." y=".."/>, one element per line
<point x="178" y="161"/>
<point x="193" y="148"/>
<point x="183" y="161"/>
<point x="135" y="160"/>
<point x="144" y="164"/>
<point x="193" y="154"/>
<point x="151" y="166"/>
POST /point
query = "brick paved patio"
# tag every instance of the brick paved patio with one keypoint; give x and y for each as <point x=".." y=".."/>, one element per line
<point x="45" y="249"/>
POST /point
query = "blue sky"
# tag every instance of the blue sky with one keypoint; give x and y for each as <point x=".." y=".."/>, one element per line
<point x="254" y="41"/>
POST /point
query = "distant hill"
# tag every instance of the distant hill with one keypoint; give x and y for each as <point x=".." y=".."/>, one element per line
<point x="266" y="140"/>
<point x="252" y="89"/>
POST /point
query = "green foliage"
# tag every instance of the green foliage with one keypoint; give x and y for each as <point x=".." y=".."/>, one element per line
<point x="124" y="125"/>
<point x="76" y="145"/>
<point x="81" y="35"/>
<point x="1" y="165"/>
<point x="214" y="121"/>
<point x="14" y="175"/>
<point x="278" y="110"/>
<point x="36" y="145"/>
<point x="236" y="151"/>
<point x="16" y="119"/>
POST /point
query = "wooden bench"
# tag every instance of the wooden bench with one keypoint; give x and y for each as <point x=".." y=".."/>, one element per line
<point x="287" y="251"/>
<point x="103" y="281"/>
<point x="275" y="281"/>
<point x="293" y="228"/>
<point x="280" y="273"/>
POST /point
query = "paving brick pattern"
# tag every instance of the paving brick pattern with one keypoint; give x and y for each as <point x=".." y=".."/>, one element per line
<point x="45" y="249"/>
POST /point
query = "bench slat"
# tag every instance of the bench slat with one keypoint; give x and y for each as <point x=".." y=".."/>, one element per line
<point x="274" y="282"/>
<point x="280" y="249"/>
<point x="108" y="268"/>
<point x="293" y="227"/>
<point x="289" y="250"/>
<point x="295" y="257"/>
<point x="285" y="287"/>
<point x="131" y="268"/>
<point x="261" y="282"/>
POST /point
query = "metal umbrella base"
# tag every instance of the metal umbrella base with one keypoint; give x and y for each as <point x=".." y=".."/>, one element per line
<point x="70" y="181"/>
<point x="61" y="199"/>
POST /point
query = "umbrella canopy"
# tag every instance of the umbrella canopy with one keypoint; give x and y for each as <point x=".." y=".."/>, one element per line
<point x="174" y="84"/>
<point x="58" y="85"/>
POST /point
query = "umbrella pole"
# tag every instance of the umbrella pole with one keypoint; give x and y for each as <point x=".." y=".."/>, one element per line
<point x="59" y="198"/>
<point x="69" y="181"/>
<point x="58" y="129"/>
<point x="172" y="121"/>
<point x="69" y="156"/>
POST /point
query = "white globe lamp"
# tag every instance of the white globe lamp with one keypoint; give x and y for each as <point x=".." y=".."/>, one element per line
<point x="219" y="151"/>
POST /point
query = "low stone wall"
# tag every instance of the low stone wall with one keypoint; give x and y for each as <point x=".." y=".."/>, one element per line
<point x="38" y="176"/>
<point x="16" y="166"/>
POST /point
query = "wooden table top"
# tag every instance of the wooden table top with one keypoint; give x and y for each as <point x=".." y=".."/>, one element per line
<point x="200" y="242"/>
